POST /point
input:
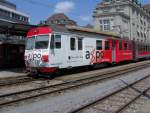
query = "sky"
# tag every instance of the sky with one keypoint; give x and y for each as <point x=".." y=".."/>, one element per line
<point x="77" y="10"/>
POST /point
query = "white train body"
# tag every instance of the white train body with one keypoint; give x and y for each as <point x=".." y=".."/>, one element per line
<point x="51" y="48"/>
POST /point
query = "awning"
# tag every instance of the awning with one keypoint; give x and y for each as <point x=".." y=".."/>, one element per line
<point x="10" y="28"/>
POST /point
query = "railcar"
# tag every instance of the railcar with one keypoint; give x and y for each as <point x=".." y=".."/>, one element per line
<point x="141" y="50"/>
<point x="50" y="48"/>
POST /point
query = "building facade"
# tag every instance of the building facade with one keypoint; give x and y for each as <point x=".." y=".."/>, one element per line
<point x="8" y="12"/>
<point x="13" y="28"/>
<point x="127" y="18"/>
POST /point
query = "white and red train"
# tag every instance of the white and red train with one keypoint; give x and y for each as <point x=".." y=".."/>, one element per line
<point x="50" y="48"/>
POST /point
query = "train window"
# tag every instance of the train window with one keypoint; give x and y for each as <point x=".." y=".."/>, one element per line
<point x="145" y="48"/>
<point x="57" y="41"/>
<point x="98" y="45"/>
<point x="130" y="47"/>
<point x="80" y="44"/>
<point x="125" y="46"/>
<point x="42" y="42"/>
<point x="120" y="45"/>
<point x="72" y="44"/>
<point x="107" y="45"/>
<point x="30" y="43"/>
<point x="52" y="42"/>
<point x="142" y="48"/>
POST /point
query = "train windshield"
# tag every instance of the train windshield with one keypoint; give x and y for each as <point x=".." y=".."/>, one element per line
<point x="38" y="42"/>
<point x="30" y="43"/>
<point x="42" y="42"/>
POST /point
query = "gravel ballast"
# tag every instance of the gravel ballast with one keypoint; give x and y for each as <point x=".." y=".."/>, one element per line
<point x="70" y="100"/>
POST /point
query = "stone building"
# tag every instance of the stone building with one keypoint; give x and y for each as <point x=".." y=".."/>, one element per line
<point x="127" y="18"/>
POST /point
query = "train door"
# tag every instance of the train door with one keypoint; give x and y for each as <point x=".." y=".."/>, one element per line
<point x="113" y="51"/>
<point x="75" y="53"/>
<point x="56" y="51"/>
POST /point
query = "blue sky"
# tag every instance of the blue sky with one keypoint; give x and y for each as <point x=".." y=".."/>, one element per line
<point x="78" y="10"/>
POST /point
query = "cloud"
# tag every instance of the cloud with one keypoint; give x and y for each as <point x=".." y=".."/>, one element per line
<point x="64" y="7"/>
<point x="85" y="18"/>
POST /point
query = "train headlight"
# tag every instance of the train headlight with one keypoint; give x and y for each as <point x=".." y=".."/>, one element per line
<point x="45" y="58"/>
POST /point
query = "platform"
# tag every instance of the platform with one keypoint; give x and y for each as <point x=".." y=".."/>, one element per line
<point x="146" y="107"/>
<point x="7" y="73"/>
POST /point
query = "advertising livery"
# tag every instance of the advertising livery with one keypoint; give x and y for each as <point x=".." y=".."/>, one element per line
<point x="50" y="48"/>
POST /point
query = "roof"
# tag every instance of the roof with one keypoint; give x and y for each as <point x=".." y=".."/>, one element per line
<point x="60" y="18"/>
<point x="14" y="28"/>
<point x="13" y="10"/>
<point x="147" y="6"/>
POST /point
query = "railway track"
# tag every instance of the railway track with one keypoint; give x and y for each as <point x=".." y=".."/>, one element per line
<point x="15" y="97"/>
<point x="118" y="101"/>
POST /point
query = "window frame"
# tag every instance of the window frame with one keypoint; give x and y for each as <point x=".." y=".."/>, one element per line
<point x="120" y="45"/>
<point x="101" y="47"/>
<point x="125" y="45"/>
<point x="53" y="41"/>
<point x="74" y="48"/>
<point x="80" y="47"/>
<point x="57" y="42"/>
<point x="108" y="46"/>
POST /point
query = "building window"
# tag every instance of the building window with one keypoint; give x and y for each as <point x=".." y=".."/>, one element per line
<point x="101" y="27"/>
<point x="107" y="0"/>
<point x="144" y="35"/>
<point x="141" y="34"/>
<point x="101" y="21"/>
<point x="105" y="24"/>
<point x="138" y="34"/>
<point x="141" y="21"/>
<point x="106" y="10"/>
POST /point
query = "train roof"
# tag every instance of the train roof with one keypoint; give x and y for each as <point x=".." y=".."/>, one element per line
<point x="90" y="30"/>
<point x="72" y="30"/>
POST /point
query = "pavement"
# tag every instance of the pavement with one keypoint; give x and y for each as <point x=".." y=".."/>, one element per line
<point x="15" y="72"/>
<point x="67" y="101"/>
<point x="146" y="107"/>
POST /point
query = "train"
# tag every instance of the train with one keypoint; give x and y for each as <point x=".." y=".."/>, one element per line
<point x="55" y="47"/>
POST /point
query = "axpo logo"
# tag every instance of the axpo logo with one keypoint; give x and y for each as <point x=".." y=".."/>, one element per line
<point x="37" y="56"/>
<point x="32" y="57"/>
